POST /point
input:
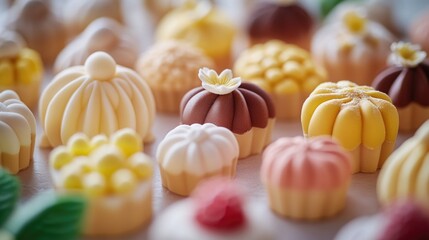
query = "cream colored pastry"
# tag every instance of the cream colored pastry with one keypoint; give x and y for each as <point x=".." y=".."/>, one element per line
<point x="41" y="29"/>
<point x="406" y="172"/>
<point x="191" y="153"/>
<point x="353" y="48"/>
<point x="103" y="34"/>
<point x="78" y="14"/>
<point x="17" y="132"/>
<point x="285" y="71"/>
<point x="202" y="25"/>
<point x="113" y="174"/>
<point x="171" y="68"/>
<point x="21" y="68"/>
<point x="99" y="97"/>
<point x="363" y="120"/>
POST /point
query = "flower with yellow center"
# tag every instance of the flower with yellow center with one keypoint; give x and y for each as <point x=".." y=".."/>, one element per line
<point x="406" y="54"/>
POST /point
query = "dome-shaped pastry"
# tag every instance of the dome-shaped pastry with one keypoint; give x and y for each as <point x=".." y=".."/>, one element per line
<point x="113" y="175"/>
<point x="406" y="81"/>
<point x="78" y="14"/>
<point x="301" y="174"/>
<point x="105" y="35"/>
<point x="201" y="25"/>
<point x="171" y="68"/>
<point x="243" y="108"/>
<point x="17" y="132"/>
<point x="419" y="31"/>
<point x="40" y="28"/>
<point x="287" y="21"/>
<point x="189" y="154"/>
<point x="99" y="97"/>
<point x="364" y="121"/>
<point x="353" y="48"/>
<point x="406" y="172"/>
<point x="21" y="68"/>
<point x="285" y="71"/>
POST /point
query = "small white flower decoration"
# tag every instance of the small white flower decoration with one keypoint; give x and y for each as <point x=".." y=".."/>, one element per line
<point x="220" y="84"/>
<point x="406" y="54"/>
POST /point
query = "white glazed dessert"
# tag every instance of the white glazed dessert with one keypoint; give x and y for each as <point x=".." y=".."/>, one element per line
<point x="103" y="34"/>
<point x="193" y="218"/>
<point x="17" y="132"/>
<point x="82" y="98"/>
<point x="191" y="153"/>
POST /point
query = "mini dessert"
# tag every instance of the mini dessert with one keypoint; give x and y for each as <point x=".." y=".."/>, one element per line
<point x="419" y="31"/>
<point x="17" y="132"/>
<point x="406" y="172"/>
<point x="306" y="178"/>
<point x="104" y="34"/>
<point x="217" y="209"/>
<point x="353" y="48"/>
<point x="364" y="121"/>
<point x="171" y="68"/>
<point x="189" y="154"/>
<point x="46" y="216"/>
<point x="79" y="14"/>
<point x="243" y="108"/>
<point x="285" y="71"/>
<point x="40" y="28"/>
<point x="201" y="25"/>
<point x="400" y="221"/>
<point x="99" y="97"/>
<point x="21" y="68"/>
<point x="406" y="81"/>
<point x="287" y="21"/>
<point x="113" y="175"/>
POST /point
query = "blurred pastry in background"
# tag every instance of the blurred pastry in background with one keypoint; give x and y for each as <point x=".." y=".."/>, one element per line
<point x="419" y="31"/>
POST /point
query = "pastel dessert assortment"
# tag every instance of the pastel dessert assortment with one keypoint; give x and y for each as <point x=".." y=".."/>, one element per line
<point x="191" y="153"/>
<point x="406" y="174"/>
<point x="170" y="69"/>
<point x="202" y="25"/>
<point x="285" y="71"/>
<point x="97" y="98"/>
<point x="287" y="21"/>
<point x="353" y="48"/>
<point x="21" y="68"/>
<point x="306" y="179"/>
<point x="363" y="120"/>
<point x="41" y="29"/>
<point x="45" y="216"/>
<point x="112" y="174"/>
<point x="103" y="34"/>
<point x="244" y="108"/>
<point x="17" y="133"/>
<point x="217" y="209"/>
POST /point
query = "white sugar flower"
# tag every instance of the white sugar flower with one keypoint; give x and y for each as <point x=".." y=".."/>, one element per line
<point x="220" y="84"/>
<point x="406" y="54"/>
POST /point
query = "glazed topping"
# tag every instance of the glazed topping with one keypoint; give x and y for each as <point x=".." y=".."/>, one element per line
<point x="219" y="205"/>
<point x="355" y="22"/>
<point x="102" y="166"/>
<point x="100" y="66"/>
<point x="218" y="84"/>
<point x="406" y="54"/>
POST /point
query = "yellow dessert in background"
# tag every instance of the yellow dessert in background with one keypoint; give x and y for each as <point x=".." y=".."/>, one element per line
<point x="202" y="25"/>
<point x="21" y="68"/>
<point x="363" y="120"/>
<point x="285" y="71"/>
<point x="112" y="173"/>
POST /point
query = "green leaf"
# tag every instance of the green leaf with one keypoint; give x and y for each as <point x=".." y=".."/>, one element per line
<point x="326" y="6"/>
<point x="48" y="216"/>
<point x="9" y="194"/>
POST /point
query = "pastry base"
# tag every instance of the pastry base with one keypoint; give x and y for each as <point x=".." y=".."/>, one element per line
<point x="185" y="183"/>
<point x="254" y="141"/>
<point x="17" y="162"/>
<point x="168" y="100"/>
<point x="302" y="42"/>
<point x="28" y="93"/>
<point x="370" y="160"/>
<point x="288" y="106"/>
<point x="412" y="117"/>
<point x="307" y="205"/>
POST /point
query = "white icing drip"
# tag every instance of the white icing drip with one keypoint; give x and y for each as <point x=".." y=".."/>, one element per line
<point x="220" y="84"/>
<point x="406" y="54"/>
